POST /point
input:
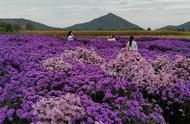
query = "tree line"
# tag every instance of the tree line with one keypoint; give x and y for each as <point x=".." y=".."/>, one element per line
<point x="13" y="28"/>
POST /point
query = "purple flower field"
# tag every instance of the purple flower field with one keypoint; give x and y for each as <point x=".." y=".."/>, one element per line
<point x="48" y="80"/>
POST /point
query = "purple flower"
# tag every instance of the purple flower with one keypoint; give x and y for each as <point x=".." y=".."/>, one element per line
<point x="109" y="83"/>
<point x="10" y="112"/>
<point x="27" y="106"/>
<point x="2" y="117"/>
<point x="1" y="90"/>
<point x="19" y="112"/>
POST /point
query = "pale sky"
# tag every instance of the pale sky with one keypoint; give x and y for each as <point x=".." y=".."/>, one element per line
<point x="63" y="13"/>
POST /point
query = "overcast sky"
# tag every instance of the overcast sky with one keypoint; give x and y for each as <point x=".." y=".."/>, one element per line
<point x="63" y="13"/>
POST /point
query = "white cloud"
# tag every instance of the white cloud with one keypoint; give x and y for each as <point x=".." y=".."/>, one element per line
<point x="62" y="13"/>
<point x="178" y="6"/>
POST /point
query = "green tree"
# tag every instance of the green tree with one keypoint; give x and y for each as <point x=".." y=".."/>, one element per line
<point x="8" y="28"/>
<point x="29" y="26"/>
<point x="2" y="27"/>
<point x="17" y="27"/>
<point x="100" y="29"/>
<point x="181" y="29"/>
<point x="1" y="30"/>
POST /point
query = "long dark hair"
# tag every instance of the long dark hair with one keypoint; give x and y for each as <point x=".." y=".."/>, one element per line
<point x="69" y="33"/>
<point x="131" y="40"/>
<point x="113" y="36"/>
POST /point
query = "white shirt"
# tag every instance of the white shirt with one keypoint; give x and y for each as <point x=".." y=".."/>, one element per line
<point x="112" y="39"/>
<point x="70" y="38"/>
<point x="133" y="45"/>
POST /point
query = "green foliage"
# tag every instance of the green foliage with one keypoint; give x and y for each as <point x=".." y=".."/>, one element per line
<point x="117" y="33"/>
<point x="100" y="29"/>
<point x="29" y="27"/>
<point x="182" y="29"/>
<point x="17" y="27"/>
<point x="9" y="28"/>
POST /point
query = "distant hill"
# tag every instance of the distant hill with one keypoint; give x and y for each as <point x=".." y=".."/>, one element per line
<point x="107" y="22"/>
<point x="23" y="22"/>
<point x="182" y="27"/>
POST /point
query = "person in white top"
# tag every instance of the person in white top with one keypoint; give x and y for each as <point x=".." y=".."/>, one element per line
<point x="70" y="36"/>
<point x="132" y="45"/>
<point x="112" y="38"/>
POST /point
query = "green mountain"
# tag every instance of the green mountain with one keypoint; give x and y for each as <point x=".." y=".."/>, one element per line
<point x="182" y="27"/>
<point x="24" y="22"/>
<point x="107" y="22"/>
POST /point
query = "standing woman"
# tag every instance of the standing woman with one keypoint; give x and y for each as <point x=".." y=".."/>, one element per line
<point x="132" y="45"/>
<point x="70" y="36"/>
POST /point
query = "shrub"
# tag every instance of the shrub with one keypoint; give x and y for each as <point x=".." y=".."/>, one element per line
<point x="61" y="109"/>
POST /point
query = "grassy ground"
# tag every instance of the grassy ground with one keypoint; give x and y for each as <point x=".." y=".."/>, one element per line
<point x="165" y="34"/>
<point x="176" y="36"/>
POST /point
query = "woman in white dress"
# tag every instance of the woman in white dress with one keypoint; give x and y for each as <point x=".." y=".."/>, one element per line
<point x="132" y="45"/>
<point x="70" y="36"/>
<point x="112" y="38"/>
